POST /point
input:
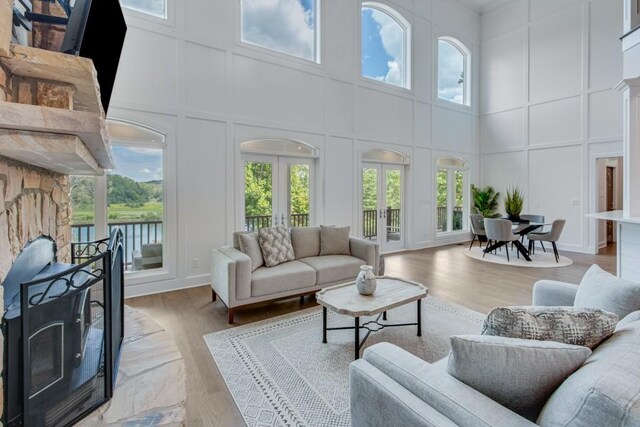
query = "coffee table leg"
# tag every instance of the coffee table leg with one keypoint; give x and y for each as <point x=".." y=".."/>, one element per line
<point x="357" y="338"/>
<point x="419" y="318"/>
<point x="324" y="325"/>
<point x="384" y="316"/>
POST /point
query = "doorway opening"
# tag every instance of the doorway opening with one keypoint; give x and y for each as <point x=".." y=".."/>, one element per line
<point x="383" y="213"/>
<point x="610" y="196"/>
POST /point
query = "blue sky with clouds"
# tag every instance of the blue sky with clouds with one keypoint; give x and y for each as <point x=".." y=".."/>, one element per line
<point x="138" y="163"/>
<point x="287" y="26"/>
<point x="383" y="47"/>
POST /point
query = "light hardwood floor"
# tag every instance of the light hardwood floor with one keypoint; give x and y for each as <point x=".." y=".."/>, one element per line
<point x="449" y="274"/>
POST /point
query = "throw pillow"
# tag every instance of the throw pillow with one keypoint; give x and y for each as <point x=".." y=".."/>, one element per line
<point x="275" y="243"/>
<point x="305" y="241"/>
<point x="518" y="374"/>
<point x="628" y="319"/>
<point x="334" y="240"/>
<point x="586" y="327"/>
<point x="599" y="289"/>
<point x="250" y="246"/>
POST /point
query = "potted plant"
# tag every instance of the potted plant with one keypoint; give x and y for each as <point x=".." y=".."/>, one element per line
<point x="513" y="203"/>
<point x="485" y="201"/>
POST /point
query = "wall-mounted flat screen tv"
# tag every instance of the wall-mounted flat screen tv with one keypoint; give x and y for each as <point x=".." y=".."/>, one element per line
<point x="96" y="30"/>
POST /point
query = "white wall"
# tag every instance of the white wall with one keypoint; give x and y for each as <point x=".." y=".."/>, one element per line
<point x="548" y="107"/>
<point x="217" y="92"/>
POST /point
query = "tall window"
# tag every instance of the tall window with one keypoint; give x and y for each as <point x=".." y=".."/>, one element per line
<point x="385" y="45"/>
<point x="134" y="201"/>
<point x="157" y="8"/>
<point x="454" y="71"/>
<point x="287" y="26"/>
<point x="450" y="195"/>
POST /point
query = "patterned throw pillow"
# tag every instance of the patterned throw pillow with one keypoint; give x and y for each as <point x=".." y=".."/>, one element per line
<point x="275" y="243"/>
<point x="577" y="326"/>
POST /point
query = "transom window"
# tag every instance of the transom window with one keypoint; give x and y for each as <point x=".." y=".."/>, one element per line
<point x="453" y="71"/>
<point x="287" y="26"/>
<point x="157" y="8"/>
<point x="385" y="45"/>
<point x="451" y="184"/>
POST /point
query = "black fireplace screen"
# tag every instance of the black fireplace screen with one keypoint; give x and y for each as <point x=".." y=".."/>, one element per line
<point x="72" y="330"/>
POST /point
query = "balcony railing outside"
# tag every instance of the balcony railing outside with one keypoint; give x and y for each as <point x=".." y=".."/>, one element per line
<point x="135" y="234"/>
<point x="253" y="223"/>
<point x="442" y="217"/>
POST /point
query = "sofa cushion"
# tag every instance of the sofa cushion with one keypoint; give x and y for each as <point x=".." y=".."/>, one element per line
<point x="275" y="243"/>
<point x="519" y="374"/>
<point x="599" y="289"/>
<point x="250" y="246"/>
<point x="334" y="240"/>
<point x="305" y="241"/>
<point x="284" y="277"/>
<point x="578" y="326"/>
<point x="605" y="391"/>
<point x="332" y="268"/>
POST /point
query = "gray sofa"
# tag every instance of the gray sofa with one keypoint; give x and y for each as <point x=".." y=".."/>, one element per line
<point x="233" y="280"/>
<point x="392" y="387"/>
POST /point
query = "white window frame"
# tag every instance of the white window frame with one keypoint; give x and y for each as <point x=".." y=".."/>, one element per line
<point x="167" y="271"/>
<point x="468" y="72"/>
<point x="406" y="26"/>
<point x="317" y="57"/>
<point x="168" y="20"/>
<point x="451" y="195"/>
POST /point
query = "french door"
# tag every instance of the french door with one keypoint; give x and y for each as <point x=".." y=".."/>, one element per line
<point x="383" y="205"/>
<point x="277" y="191"/>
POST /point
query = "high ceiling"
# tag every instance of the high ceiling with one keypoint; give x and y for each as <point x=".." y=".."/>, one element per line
<point x="482" y="6"/>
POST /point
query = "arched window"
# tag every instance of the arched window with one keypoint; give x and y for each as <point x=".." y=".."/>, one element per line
<point x="287" y="26"/>
<point x="385" y="45"/>
<point x="454" y="71"/>
<point x="451" y="195"/>
<point x="133" y="196"/>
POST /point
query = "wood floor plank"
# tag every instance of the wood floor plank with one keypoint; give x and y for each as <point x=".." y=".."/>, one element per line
<point x="189" y="314"/>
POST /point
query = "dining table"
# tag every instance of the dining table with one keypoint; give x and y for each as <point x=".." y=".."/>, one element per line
<point x="521" y="227"/>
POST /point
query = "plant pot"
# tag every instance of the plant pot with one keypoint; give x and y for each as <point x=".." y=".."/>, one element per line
<point x="513" y="217"/>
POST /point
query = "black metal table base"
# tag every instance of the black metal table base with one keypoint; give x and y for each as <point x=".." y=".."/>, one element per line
<point x="370" y="326"/>
<point x="521" y="249"/>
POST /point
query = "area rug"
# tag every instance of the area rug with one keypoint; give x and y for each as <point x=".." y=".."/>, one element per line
<point x="280" y="374"/>
<point x="538" y="260"/>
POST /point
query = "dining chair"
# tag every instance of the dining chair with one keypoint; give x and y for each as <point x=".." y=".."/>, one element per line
<point x="500" y="231"/>
<point x="551" y="236"/>
<point x="477" y="228"/>
<point x="529" y="219"/>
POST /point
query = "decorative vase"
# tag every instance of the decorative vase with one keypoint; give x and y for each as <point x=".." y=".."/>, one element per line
<point x="366" y="280"/>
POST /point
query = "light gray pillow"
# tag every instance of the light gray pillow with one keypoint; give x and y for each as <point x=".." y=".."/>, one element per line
<point x="305" y="241"/>
<point x="250" y="246"/>
<point x="518" y="374"/>
<point x="628" y="319"/>
<point x="334" y="240"/>
<point x="577" y="326"/>
<point x="275" y="243"/>
<point x="599" y="289"/>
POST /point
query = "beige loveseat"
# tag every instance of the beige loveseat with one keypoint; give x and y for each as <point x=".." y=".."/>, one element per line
<point x="233" y="280"/>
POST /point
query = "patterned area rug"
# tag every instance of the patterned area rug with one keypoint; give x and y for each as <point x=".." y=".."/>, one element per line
<point x="280" y="374"/>
<point x="538" y="260"/>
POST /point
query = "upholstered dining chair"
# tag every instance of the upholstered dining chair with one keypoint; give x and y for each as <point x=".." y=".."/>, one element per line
<point x="551" y="236"/>
<point x="528" y="218"/>
<point x="477" y="228"/>
<point x="500" y="231"/>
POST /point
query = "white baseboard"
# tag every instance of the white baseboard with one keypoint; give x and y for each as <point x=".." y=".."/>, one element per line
<point x="159" y="287"/>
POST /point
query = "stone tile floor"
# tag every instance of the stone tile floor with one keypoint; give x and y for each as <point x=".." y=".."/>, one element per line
<point x="150" y="389"/>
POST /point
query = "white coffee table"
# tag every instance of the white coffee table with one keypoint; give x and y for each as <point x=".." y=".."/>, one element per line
<point x="391" y="292"/>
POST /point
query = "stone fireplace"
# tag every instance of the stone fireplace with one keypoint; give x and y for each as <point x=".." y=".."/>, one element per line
<point x="35" y="202"/>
